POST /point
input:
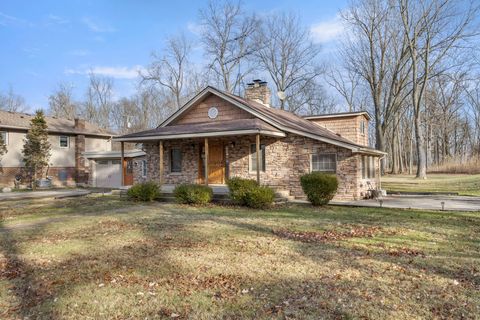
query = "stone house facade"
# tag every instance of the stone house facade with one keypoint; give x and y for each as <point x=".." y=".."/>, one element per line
<point x="217" y="135"/>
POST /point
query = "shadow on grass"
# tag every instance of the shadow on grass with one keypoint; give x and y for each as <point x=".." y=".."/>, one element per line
<point x="36" y="286"/>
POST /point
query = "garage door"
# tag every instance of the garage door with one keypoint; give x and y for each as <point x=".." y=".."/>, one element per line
<point x="108" y="174"/>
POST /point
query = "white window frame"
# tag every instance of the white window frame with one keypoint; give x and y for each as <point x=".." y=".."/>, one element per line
<point x="323" y="153"/>
<point x="6" y="137"/>
<point x="60" y="142"/>
<point x="363" y="127"/>
<point x="262" y="162"/>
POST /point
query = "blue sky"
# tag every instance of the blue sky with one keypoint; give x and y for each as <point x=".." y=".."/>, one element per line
<point x="48" y="42"/>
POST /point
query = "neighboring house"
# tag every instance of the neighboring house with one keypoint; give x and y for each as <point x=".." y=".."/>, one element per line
<point x="69" y="139"/>
<point x="216" y="135"/>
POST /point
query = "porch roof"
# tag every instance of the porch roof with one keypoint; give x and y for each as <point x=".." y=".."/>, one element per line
<point x="206" y="129"/>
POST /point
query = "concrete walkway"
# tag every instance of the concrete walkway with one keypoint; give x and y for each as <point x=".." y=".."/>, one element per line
<point x="9" y="196"/>
<point x="434" y="202"/>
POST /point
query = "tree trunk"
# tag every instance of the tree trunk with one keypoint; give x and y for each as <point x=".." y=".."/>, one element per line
<point x="421" y="161"/>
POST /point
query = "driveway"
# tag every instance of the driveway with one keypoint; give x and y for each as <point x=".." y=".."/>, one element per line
<point x="43" y="194"/>
<point x="433" y="202"/>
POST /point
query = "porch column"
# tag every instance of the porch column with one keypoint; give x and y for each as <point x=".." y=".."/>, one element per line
<point x="160" y="160"/>
<point x="206" y="161"/>
<point x="257" y="145"/>
<point x="122" y="161"/>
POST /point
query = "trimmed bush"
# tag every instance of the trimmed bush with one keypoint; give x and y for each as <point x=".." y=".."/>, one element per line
<point x="239" y="187"/>
<point x="145" y="191"/>
<point x="319" y="187"/>
<point x="193" y="194"/>
<point x="259" y="197"/>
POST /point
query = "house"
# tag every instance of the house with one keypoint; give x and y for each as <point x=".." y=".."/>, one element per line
<point x="69" y="139"/>
<point x="217" y="135"/>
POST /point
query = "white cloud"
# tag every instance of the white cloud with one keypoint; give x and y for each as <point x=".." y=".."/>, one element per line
<point x="96" y="26"/>
<point x="79" y="52"/>
<point x="327" y="31"/>
<point x="194" y="28"/>
<point x="54" y="19"/>
<point x="114" y="72"/>
<point x="6" y="20"/>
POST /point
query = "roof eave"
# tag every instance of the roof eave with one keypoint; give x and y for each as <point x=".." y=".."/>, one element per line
<point x="200" y="135"/>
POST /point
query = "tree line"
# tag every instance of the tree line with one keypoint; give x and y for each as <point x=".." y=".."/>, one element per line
<point x="413" y="64"/>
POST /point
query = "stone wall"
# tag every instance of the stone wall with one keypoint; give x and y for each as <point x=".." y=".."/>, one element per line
<point x="286" y="160"/>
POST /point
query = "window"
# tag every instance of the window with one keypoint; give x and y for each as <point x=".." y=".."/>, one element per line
<point x="371" y="173"/>
<point x="253" y="157"/>
<point x="116" y="161"/>
<point x="364" y="167"/>
<point x="368" y="167"/>
<point x="325" y="162"/>
<point x="175" y="160"/>
<point x="102" y="162"/>
<point x="64" y="141"/>
<point x="4" y="135"/>
<point x="362" y="127"/>
<point x="144" y="168"/>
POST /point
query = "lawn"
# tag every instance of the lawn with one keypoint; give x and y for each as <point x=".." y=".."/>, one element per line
<point x="464" y="184"/>
<point x="108" y="258"/>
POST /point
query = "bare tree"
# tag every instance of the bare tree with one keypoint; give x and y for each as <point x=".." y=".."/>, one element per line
<point x="285" y="51"/>
<point x="169" y="69"/>
<point x="61" y="102"/>
<point x="348" y="85"/>
<point x="227" y="38"/>
<point x="12" y="101"/>
<point x="375" y="51"/>
<point x="433" y="30"/>
<point x="99" y="101"/>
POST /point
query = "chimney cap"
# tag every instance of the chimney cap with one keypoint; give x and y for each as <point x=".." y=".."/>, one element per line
<point x="257" y="82"/>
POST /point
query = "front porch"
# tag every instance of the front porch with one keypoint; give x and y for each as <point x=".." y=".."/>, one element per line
<point x="205" y="160"/>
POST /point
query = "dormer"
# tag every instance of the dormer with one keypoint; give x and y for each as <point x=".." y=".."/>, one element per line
<point x="350" y="125"/>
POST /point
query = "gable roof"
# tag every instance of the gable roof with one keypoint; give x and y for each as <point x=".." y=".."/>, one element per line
<point x="21" y="121"/>
<point x="338" y="115"/>
<point x="280" y="120"/>
<point x="205" y="129"/>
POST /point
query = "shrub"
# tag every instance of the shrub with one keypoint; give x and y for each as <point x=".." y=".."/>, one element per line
<point x="319" y="187"/>
<point x="193" y="194"/>
<point x="239" y="187"/>
<point x="259" y="197"/>
<point x="145" y="191"/>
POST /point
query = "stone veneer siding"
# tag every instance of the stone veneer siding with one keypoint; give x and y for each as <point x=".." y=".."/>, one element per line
<point x="286" y="160"/>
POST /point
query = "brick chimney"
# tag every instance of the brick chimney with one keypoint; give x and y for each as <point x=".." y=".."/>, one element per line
<point x="79" y="123"/>
<point x="258" y="91"/>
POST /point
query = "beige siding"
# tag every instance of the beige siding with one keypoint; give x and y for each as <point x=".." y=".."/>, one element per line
<point x="62" y="157"/>
<point x="98" y="144"/>
<point x="13" y="157"/>
<point x="199" y="112"/>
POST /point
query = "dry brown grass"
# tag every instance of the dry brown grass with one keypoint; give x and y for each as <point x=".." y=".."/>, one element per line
<point x="112" y="259"/>
<point x="472" y="166"/>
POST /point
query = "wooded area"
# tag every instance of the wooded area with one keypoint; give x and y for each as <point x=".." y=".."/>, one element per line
<point x="413" y="64"/>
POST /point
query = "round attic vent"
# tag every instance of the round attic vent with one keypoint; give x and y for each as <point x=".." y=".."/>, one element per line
<point x="212" y="112"/>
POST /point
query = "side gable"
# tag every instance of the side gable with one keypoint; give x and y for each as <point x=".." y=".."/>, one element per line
<point x="198" y="111"/>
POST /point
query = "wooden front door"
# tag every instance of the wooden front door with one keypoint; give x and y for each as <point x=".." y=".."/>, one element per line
<point x="216" y="164"/>
<point x="128" y="172"/>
